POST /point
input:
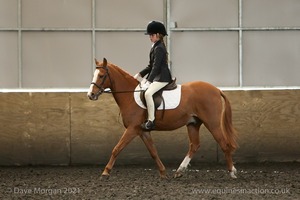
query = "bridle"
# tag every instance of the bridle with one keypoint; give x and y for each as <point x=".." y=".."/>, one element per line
<point x="104" y="77"/>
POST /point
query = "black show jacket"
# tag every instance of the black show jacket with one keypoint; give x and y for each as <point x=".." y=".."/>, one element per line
<point x="157" y="69"/>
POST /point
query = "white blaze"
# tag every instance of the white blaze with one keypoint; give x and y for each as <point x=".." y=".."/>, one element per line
<point x="94" y="80"/>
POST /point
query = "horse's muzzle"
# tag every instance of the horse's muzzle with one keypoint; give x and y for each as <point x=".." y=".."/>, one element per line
<point x="92" y="96"/>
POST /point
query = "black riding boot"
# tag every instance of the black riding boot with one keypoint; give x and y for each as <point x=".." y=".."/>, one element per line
<point x="148" y="125"/>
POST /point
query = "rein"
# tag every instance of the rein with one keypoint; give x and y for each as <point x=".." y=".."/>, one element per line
<point x="125" y="91"/>
<point x="101" y="88"/>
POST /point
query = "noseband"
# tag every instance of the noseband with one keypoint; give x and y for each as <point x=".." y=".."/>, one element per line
<point x="104" y="77"/>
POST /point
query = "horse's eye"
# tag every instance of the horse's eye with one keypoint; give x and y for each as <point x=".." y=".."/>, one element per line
<point x="101" y="76"/>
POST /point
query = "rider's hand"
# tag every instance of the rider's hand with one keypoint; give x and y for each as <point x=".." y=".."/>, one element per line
<point x="138" y="77"/>
<point x="145" y="85"/>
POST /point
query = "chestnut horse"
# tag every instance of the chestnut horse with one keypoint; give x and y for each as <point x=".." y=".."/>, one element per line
<point x="200" y="103"/>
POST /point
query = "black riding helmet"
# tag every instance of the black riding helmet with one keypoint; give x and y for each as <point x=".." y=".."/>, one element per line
<point x="156" y="27"/>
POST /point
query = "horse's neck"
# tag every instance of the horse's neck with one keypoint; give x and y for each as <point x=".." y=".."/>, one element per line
<point x="123" y="86"/>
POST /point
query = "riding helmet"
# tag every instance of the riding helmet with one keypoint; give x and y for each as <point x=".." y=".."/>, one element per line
<point x="156" y="27"/>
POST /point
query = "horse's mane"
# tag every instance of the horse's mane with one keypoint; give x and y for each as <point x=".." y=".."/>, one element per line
<point x="119" y="69"/>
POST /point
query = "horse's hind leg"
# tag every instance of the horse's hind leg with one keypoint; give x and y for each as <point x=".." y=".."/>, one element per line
<point x="193" y="132"/>
<point x="218" y="135"/>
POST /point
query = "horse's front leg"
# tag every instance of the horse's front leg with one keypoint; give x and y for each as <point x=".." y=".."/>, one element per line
<point x="147" y="139"/>
<point x="126" y="138"/>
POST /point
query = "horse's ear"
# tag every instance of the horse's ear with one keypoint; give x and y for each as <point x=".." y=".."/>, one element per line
<point x="97" y="62"/>
<point x="104" y="62"/>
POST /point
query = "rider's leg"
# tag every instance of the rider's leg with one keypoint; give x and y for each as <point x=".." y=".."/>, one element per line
<point x="153" y="88"/>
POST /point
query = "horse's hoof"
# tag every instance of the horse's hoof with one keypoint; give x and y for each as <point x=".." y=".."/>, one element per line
<point x="104" y="177"/>
<point x="233" y="173"/>
<point x="164" y="177"/>
<point x="178" y="175"/>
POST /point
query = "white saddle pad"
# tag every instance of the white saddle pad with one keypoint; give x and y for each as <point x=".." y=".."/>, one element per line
<point x="171" y="97"/>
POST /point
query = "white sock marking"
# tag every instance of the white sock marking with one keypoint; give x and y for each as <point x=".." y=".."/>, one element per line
<point x="184" y="163"/>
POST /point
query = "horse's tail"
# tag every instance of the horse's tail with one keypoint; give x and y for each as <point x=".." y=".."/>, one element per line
<point x="228" y="129"/>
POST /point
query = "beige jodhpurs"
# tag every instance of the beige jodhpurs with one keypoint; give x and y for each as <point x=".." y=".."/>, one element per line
<point x="152" y="89"/>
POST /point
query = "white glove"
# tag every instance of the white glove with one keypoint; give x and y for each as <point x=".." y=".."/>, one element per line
<point x="143" y="81"/>
<point x="145" y="85"/>
<point x="138" y="77"/>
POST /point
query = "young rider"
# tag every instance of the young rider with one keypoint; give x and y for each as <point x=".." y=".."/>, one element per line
<point x="158" y="73"/>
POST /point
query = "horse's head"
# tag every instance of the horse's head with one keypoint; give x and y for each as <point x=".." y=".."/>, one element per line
<point x="101" y="80"/>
